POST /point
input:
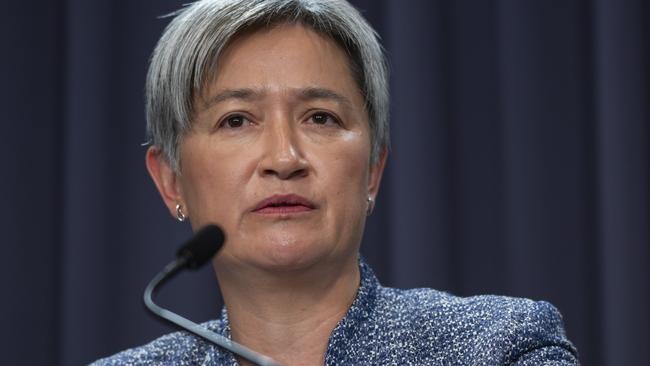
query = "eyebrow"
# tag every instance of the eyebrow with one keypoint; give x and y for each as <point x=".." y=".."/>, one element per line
<point x="245" y="94"/>
<point x="305" y="94"/>
<point x="322" y="93"/>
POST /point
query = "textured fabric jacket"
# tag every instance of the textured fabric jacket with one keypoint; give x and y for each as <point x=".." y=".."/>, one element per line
<point x="387" y="326"/>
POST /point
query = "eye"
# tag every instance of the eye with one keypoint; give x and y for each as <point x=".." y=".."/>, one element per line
<point x="323" y="118"/>
<point x="233" y="121"/>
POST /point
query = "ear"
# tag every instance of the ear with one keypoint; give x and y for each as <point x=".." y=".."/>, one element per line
<point x="165" y="178"/>
<point x="376" y="172"/>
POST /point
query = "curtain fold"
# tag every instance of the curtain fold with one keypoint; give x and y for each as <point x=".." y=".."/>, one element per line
<point x="623" y="129"/>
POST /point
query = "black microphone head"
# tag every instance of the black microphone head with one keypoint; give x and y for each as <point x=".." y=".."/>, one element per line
<point x="202" y="247"/>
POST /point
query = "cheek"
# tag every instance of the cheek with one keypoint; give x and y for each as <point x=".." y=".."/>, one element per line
<point x="213" y="185"/>
<point x="349" y="176"/>
<point x="354" y="156"/>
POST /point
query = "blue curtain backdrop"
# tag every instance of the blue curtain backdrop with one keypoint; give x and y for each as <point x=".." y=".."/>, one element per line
<point x="519" y="166"/>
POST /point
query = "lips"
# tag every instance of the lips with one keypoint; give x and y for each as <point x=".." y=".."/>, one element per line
<point x="284" y="204"/>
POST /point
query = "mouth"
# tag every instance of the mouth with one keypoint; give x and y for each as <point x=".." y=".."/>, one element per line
<point x="284" y="205"/>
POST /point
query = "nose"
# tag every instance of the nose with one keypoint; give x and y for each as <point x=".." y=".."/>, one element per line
<point x="282" y="157"/>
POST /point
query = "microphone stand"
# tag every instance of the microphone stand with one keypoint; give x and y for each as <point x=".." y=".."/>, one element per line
<point x="168" y="272"/>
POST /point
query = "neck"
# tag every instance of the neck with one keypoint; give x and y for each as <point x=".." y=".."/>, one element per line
<point x="290" y="315"/>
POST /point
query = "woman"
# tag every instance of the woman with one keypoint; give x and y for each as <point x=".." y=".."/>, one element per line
<point x="270" y="118"/>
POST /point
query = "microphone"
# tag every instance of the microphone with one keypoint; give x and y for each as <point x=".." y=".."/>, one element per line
<point x="198" y="250"/>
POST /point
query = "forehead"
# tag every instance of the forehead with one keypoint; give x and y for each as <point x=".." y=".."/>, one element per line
<point x="283" y="58"/>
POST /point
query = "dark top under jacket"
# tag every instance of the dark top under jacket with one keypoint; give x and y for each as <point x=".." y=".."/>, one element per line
<point x="387" y="326"/>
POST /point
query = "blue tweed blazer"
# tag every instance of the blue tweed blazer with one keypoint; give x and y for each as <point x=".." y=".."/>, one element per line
<point x="387" y="326"/>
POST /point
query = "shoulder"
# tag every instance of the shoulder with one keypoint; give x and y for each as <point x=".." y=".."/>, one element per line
<point x="481" y="329"/>
<point x="171" y="349"/>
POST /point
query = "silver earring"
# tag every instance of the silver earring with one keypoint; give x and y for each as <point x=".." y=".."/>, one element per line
<point x="371" y="206"/>
<point x="180" y="216"/>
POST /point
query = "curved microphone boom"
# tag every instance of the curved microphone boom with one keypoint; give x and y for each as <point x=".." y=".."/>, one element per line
<point x="196" y="252"/>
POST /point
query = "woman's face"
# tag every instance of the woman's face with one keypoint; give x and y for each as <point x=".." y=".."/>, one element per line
<point x="279" y="152"/>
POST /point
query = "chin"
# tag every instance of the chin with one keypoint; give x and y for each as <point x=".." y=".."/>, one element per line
<point x="290" y="255"/>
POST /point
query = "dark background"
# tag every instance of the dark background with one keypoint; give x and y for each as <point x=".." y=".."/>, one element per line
<point x="520" y="134"/>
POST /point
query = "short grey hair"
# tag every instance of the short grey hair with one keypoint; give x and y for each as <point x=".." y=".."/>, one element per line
<point x="185" y="59"/>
